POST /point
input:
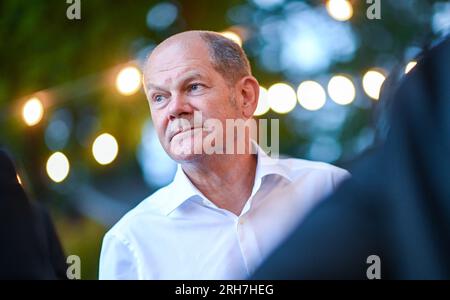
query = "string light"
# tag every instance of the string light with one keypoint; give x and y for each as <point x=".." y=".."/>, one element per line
<point x="340" y="10"/>
<point x="128" y="81"/>
<point x="18" y="179"/>
<point x="58" y="167"/>
<point x="232" y="36"/>
<point x="341" y="90"/>
<point x="263" y="104"/>
<point x="311" y="95"/>
<point x="105" y="149"/>
<point x="33" y="111"/>
<point x="281" y="98"/>
<point x="372" y="82"/>
<point x="410" y="66"/>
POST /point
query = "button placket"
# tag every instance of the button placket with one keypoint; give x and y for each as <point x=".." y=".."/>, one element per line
<point x="248" y="245"/>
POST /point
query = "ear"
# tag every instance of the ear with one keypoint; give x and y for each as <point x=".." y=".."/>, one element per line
<point x="248" y="89"/>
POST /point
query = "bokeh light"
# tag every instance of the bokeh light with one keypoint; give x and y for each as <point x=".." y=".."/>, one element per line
<point x="340" y="10"/>
<point x="341" y="89"/>
<point x="128" y="81"/>
<point x="232" y="36"/>
<point x="19" y="180"/>
<point x="58" y="167"/>
<point x="59" y="128"/>
<point x="33" y="111"/>
<point x="105" y="149"/>
<point x="305" y="42"/>
<point x="410" y="66"/>
<point x="372" y="82"/>
<point x="268" y="4"/>
<point x="281" y="98"/>
<point x="162" y="15"/>
<point x="311" y="95"/>
<point x="158" y="169"/>
<point x="263" y="104"/>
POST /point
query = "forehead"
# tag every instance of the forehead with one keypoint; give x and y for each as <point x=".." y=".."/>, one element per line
<point x="175" y="61"/>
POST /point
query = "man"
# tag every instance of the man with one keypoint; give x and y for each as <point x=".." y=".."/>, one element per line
<point x="392" y="219"/>
<point x="223" y="213"/>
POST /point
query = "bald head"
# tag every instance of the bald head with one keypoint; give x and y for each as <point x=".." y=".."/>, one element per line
<point x="184" y="40"/>
<point x="227" y="57"/>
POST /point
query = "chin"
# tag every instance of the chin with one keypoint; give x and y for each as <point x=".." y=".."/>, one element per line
<point x="186" y="158"/>
<point x="185" y="150"/>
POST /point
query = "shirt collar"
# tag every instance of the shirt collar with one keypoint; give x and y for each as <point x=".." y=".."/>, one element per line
<point x="182" y="189"/>
<point x="267" y="165"/>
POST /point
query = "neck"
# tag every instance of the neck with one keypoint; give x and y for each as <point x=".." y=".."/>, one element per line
<point x="226" y="180"/>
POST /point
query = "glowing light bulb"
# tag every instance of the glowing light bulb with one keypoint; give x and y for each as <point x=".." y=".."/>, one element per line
<point x="341" y="10"/>
<point x="341" y="90"/>
<point x="128" y="81"/>
<point x="105" y="149"/>
<point x="58" y="167"/>
<point x="311" y="95"/>
<point x="281" y="98"/>
<point x="372" y="82"/>
<point x="33" y="111"/>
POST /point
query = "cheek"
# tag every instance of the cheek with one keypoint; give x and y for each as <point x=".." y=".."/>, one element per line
<point x="217" y="107"/>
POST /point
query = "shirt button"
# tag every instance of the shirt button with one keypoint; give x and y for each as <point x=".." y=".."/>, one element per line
<point x="241" y="222"/>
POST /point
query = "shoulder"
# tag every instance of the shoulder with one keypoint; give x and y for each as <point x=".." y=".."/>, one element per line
<point x="298" y="164"/>
<point x="301" y="168"/>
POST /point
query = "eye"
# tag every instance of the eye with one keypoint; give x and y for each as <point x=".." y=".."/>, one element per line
<point x="195" y="87"/>
<point x="158" y="98"/>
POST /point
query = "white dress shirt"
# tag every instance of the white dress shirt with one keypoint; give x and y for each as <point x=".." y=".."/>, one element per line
<point x="177" y="233"/>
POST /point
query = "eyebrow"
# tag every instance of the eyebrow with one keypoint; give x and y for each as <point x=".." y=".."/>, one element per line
<point x="189" y="77"/>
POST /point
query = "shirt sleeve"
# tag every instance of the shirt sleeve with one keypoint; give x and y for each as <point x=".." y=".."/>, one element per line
<point x="117" y="260"/>
<point x="338" y="176"/>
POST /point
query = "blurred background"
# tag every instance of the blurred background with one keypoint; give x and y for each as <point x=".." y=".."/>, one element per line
<point x="76" y="121"/>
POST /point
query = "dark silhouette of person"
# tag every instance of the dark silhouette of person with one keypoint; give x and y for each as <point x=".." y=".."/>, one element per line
<point x="397" y="203"/>
<point x="29" y="246"/>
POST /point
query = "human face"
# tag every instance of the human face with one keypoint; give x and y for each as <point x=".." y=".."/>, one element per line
<point x="179" y="82"/>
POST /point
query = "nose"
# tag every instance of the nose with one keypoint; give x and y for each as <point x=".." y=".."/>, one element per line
<point x="179" y="107"/>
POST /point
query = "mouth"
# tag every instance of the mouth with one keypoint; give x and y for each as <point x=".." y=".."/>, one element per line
<point x="183" y="130"/>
